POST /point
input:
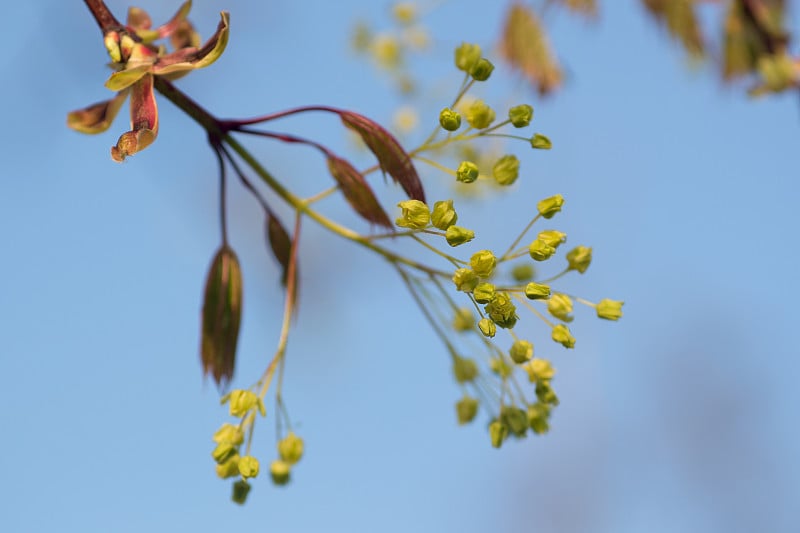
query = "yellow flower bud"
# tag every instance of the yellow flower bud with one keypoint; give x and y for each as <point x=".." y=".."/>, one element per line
<point x="537" y="291"/>
<point x="484" y="293"/>
<point x="443" y="215"/>
<point x="466" y="409"/>
<point x="579" y="258"/>
<point x="502" y="311"/>
<point x="242" y="401"/>
<point x="506" y="170"/>
<point x="481" y="70"/>
<point x="479" y="115"/>
<point x="463" y="319"/>
<point x="290" y="448"/>
<point x="523" y="272"/>
<point x="560" y="306"/>
<point x="609" y="309"/>
<point x="229" y="468"/>
<point x="466" y="56"/>
<point x="539" y="370"/>
<point x="552" y="237"/>
<point x="415" y="215"/>
<point x="483" y="263"/>
<point x="240" y="490"/>
<point x="467" y="172"/>
<point x="248" y="466"/>
<point x="223" y="452"/>
<point x="497" y="433"/>
<point x="464" y="369"/>
<point x="545" y="393"/>
<point x="230" y="434"/>
<point x="386" y="51"/>
<point x="405" y="12"/>
<point x="521" y="351"/>
<point x="520" y="115"/>
<point x="550" y="206"/>
<point x="280" y="472"/>
<point x="538" y="415"/>
<point x="500" y="367"/>
<point x="514" y="419"/>
<point x="449" y="120"/>
<point x="456" y="235"/>
<point x="487" y="327"/>
<point x="540" y="142"/>
<point x="465" y="279"/>
<point x="540" y="250"/>
<point x="562" y="335"/>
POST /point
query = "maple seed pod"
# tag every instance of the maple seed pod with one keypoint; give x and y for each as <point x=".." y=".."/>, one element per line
<point x="222" y="312"/>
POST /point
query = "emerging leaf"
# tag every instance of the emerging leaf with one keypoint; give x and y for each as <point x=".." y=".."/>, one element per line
<point x="222" y="311"/>
<point x="391" y="156"/>
<point x="357" y="191"/>
<point x="524" y="45"/>
<point x="681" y="21"/>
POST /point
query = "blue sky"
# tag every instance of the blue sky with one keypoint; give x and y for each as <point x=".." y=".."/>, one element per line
<point x="681" y="417"/>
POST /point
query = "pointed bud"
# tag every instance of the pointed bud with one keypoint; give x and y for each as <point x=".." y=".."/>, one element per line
<point x="520" y="115"/>
<point x="540" y="142"/>
<point x="609" y="309"/>
<point x="550" y="206"/>
<point x="579" y="258"/>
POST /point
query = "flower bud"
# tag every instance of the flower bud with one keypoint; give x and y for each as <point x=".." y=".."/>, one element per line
<point x="240" y="490"/>
<point x="455" y="235"/>
<point x="538" y="415"/>
<point x="464" y="369"/>
<point x="483" y="293"/>
<point x="500" y="367"/>
<point x="520" y="115"/>
<point x="506" y="170"/>
<point x="487" y="327"/>
<point x="467" y="172"/>
<point x="248" y="466"/>
<point x="223" y="452"/>
<point x="465" y="279"/>
<point x="562" y="335"/>
<point x="515" y="419"/>
<point x="609" y="309"/>
<point x="229" y="468"/>
<point x="280" y="472"/>
<point x="443" y="215"/>
<point x="539" y="370"/>
<point x="242" y="401"/>
<point x="479" y="115"/>
<point x="552" y="237"/>
<point x="550" y="206"/>
<point x="415" y="215"/>
<point x="463" y="319"/>
<point x="230" y="434"/>
<point x="540" y="142"/>
<point x="560" y="306"/>
<point x="483" y="263"/>
<point x="545" y="393"/>
<point x="537" y="291"/>
<point x="466" y="56"/>
<point x="404" y="12"/>
<point x="497" y="433"/>
<point x="540" y="250"/>
<point x="466" y="409"/>
<point x="111" y="42"/>
<point x="502" y="311"/>
<point x="449" y="119"/>
<point x="290" y="448"/>
<point x="523" y="272"/>
<point x="579" y="258"/>
<point x="481" y="70"/>
<point x="521" y="351"/>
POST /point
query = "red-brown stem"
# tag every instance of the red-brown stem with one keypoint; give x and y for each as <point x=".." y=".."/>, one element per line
<point x="105" y="19"/>
<point x="233" y="124"/>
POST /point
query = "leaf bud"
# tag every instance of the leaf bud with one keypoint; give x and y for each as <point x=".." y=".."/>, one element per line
<point x="481" y="70"/>
<point x="415" y="215"/>
<point x="579" y="258"/>
<point x="562" y="335"/>
<point x="483" y="293"/>
<point x="540" y="142"/>
<point x="487" y="327"/>
<point x="479" y="115"/>
<point x="497" y="433"/>
<point x="520" y="115"/>
<point x="464" y="369"/>
<point x="280" y="472"/>
<point x="466" y="409"/>
<point x="248" y="466"/>
<point x="506" y="170"/>
<point x="449" y="119"/>
<point x="521" y="351"/>
<point x="466" y="56"/>
<point x="467" y="172"/>
<point x="609" y="309"/>
<point x="560" y="306"/>
<point x="240" y="490"/>
<point x="290" y="448"/>
<point x="443" y="215"/>
<point x="465" y="279"/>
<point x="540" y="250"/>
<point x="483" y="263"/>
<point x="550" y="206"/>
<point x="537" y="291"/>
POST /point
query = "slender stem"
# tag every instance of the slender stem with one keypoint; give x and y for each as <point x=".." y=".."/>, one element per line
<point x="223" y="218"/>
<point x="519" y="237"/>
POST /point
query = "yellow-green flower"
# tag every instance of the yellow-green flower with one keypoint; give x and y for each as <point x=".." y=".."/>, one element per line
<point x="560" y="306"/>
<point x="609" y="309"/>
<point x="550" y="206"/>
<point x="539" y="370"/>
<point x="415" y="215"/>
<point x="290" y="448"/>
<point x="465" y="279"/>
<point x="248" y="466"/>
<point x="466" y="409"/>
<point x="230" y="434"/>
<point x="479" y="115"/>
<point x="466" y="56"/>
<point x="443" y="215"/>
<point x="537" y="291"/>
<point x="483" y="263"/>
<point x="521" y="351"/>
<point x="579" y="258"/>
<point x="562" y="335"/>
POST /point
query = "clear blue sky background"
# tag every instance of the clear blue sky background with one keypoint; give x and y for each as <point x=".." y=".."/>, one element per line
<point x="681" y="417"/>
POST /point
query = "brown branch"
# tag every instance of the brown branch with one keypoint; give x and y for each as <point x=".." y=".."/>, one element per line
<point x="773" y="44"/>
<point x="105" y="19"/>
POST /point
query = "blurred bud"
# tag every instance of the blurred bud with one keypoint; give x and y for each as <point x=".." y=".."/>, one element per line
<point x="562" y="335"/>
<point x="223" y="452"/>
<point x="240" y="490"/>
<point x="550" y="206"/>
<point x="481" y="70"/>
<point x="540" y="250"/>
<point x="404" y="12"/>
<point x="500" y="367"/>
<point x="537" y="291"/>
<point x="521" y="351"/>
<point x="479" y="115"/>
<point x="483" y="263"/>
<point x="609" y="309"/>
<point x="545" y="393"/>
<point x="497" y="433"/>
<point x="520" y="115"/>
<point x="466" y="409"/>
<point x="467" y="172"/>
<point x="280" y="472"/>
<point x="386" y="51"/>
<point x="579" y="258"/>
<point x="484" y="293"/>
<point x="540" y="142"/>
<point x="464" y="369"/>
<point x="466" y="56"/>
<point x="290" y="448"/>
<point x="523" y="272"/>
<point x="463" y="319"/>
<point x="515" y="419"/>
<point x="539" y="370"/>
<point x="415" y="215"/>
<point x="449" y="119"/>
<point x="229" y="468"/>
<point x="487" y="327"/>
<point x="465" y="279"/>
<point x="456" y="235"/>
<point x="560" y="306"/>
<point x="248" y="466"/>
<point x="552" y="237"/>
<point x="241" y="401"/>
<point x="230" y="434"/>
<point x="506" y="170"/>
<point x="502" y="311"/>
<point x="222" y="312"/>
<point x="443" y="215"/>
<point x="538" y="415"/>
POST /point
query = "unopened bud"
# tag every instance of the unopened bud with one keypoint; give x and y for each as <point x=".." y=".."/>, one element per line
<point x="484" y="293"/>
<point x="515" y="419"/>
<point x="290" y="448"/>
<point x="521" y="351"/>
<point x="523" y="272"/>
<point x="464" y="369"/>
<point x="483" y="263"/>
<point x="463" y="319"/>
<point x="562" y="335"/>
<point x="415" y="215"/>
<point x="466" y="409"/>
<point x="479" y="115"/>
<point x="579" y="258"/>
<point x="609" y="309"/>
<point x="466" y="56"/>
<point x="443" y="215"/>
<point x="540" y="250"/>
<point x="487" y="327"/>
<point x="550" y="206"/>
<point x="280" y="472"/>
<point x="497" y="433"/>
<point x="537" y="291"/>
<point x="241" y="489"/>
<point x="481" y="70"/>
<point x="248" y="466"/>
<point x="449" y="119"/>
<point x="552" y="237"/>
<point x="502" y="311"/>
<point x="465" y="279"/>
<point x="467" y="172"/>
<point x="456" y="235"/>
<point x="540" y="142"/>
<point x="539" y="370"/>
<point x="520" y="115"/>
<point x="560" y="306"/>
<point x="506" y="170"/>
